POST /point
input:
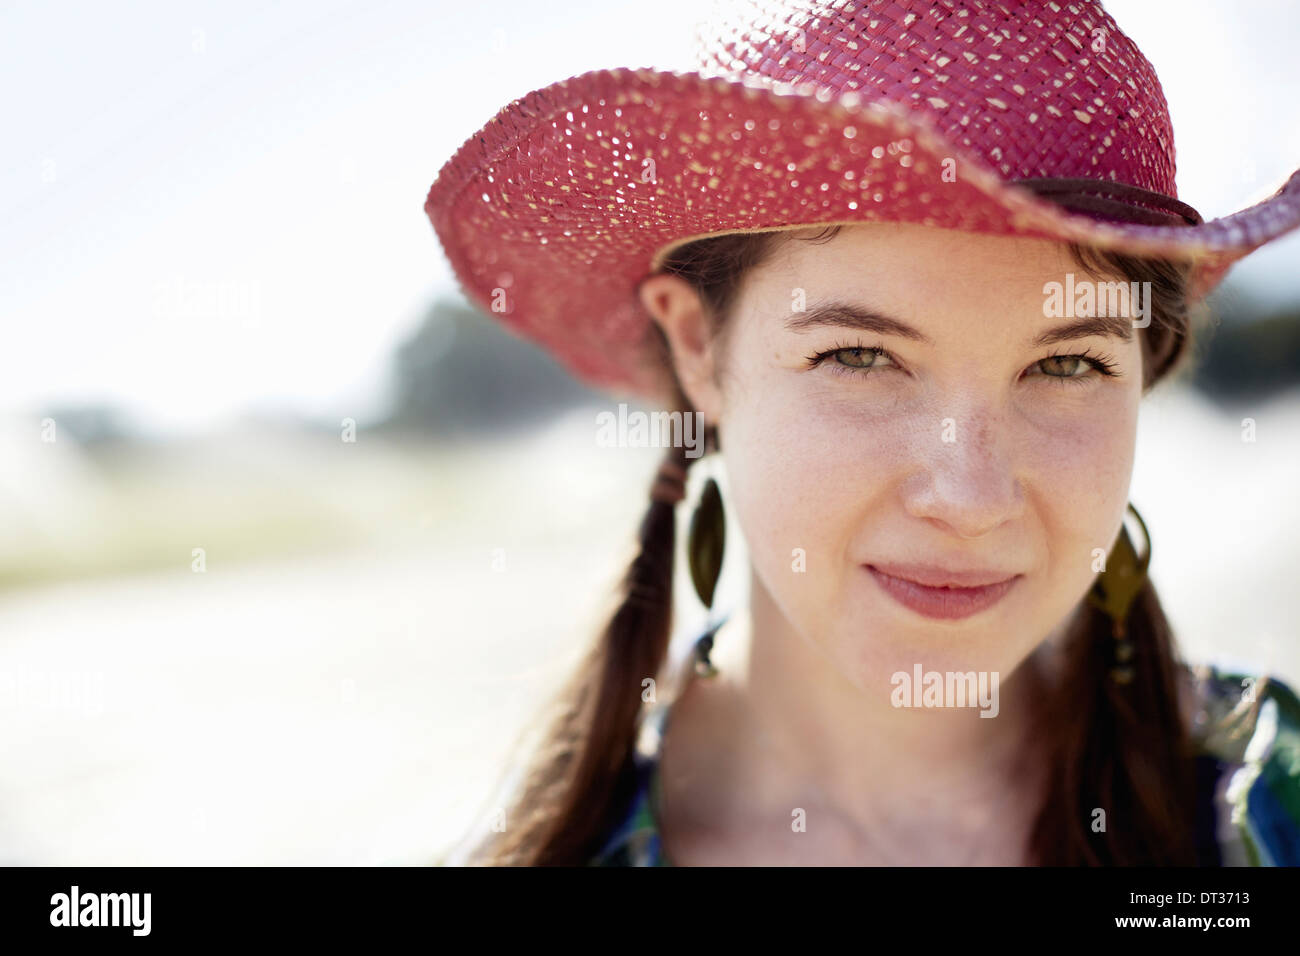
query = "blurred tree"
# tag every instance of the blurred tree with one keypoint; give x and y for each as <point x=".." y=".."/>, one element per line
<point x="462" y="373"/>
<point x="91" y="424"/>
<point x="1251" y="352"/>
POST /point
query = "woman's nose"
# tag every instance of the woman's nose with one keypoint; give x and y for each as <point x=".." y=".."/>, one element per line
<point x="966" y="480"/>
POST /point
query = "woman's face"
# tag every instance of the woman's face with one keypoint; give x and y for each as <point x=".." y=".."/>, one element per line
<point x="971" y="443"/>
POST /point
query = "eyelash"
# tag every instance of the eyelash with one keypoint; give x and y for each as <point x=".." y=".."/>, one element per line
<point x="1100" y="364"/>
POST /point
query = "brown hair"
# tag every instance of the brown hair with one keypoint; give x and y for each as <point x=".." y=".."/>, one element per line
<point x="1125" y="749"/>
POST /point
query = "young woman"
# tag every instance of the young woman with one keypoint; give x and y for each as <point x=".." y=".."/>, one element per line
<point x="917" y="297"/>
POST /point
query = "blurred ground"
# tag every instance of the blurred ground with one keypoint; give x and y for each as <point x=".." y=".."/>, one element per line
<point x="355" y="702"/>
<point x="342" y="706"/>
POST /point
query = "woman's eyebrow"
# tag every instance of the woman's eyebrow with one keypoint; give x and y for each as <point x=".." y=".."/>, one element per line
<point x="1107" y="326"/>
<point x="848" y="316"/>
<point x="845" y="315"/>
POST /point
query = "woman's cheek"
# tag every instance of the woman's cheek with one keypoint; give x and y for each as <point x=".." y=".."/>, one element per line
<point x="801" y="481"/>
<point x="776" y="486"/>
<point x="1082" y="462"/>
<point x="1078" y="469"/>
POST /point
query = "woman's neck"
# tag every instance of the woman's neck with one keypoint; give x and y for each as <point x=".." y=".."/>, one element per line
<point x="780" y="730"/>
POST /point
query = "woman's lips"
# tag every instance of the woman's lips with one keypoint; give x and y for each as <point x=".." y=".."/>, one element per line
<point x="945" y="603"/>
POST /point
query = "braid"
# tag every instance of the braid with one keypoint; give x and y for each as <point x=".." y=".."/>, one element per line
<point x="1124" y="749"/>
<point x="585" y="775"/>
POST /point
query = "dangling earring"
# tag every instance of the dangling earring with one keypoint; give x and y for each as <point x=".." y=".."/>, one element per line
<point x="705" y="544"/>
<point x="1117" y="588"/>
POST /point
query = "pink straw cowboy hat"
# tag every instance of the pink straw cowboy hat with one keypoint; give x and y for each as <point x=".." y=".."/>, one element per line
<point x="937" y="112"/>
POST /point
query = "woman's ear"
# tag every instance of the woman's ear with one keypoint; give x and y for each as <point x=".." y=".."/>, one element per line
<point x="682" y="315"/>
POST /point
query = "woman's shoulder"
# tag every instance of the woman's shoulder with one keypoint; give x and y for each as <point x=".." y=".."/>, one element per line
<point x="635" y="841"/>
<point x="1246" y="725"/>
<point x="1249" y="724"/>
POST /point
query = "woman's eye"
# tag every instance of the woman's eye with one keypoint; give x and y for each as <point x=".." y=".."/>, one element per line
<point x="1064" y="366"/>
<point x="856" y="359"/>
<point x="859" y="358"/>
<point x="1072" y="369"/>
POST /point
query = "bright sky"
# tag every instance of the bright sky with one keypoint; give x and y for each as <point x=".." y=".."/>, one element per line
<point x="277" y="156"/>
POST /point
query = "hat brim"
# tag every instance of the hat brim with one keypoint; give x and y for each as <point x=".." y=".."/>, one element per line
<point x="553" y="212"/>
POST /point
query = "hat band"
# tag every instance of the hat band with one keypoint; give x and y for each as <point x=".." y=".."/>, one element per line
<point x="1103" y="199"/>
<point x="1097" y="198"/>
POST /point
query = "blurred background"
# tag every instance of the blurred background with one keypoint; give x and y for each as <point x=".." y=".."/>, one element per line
<point x="293" y="541"/>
